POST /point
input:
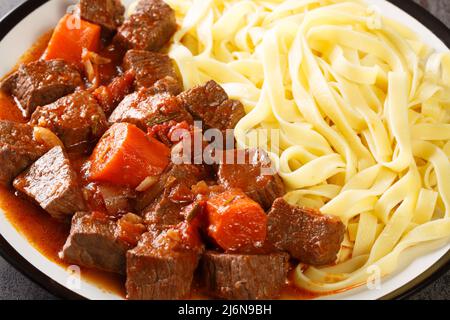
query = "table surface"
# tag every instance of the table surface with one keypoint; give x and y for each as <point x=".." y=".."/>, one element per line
<point x="14" y="285"/>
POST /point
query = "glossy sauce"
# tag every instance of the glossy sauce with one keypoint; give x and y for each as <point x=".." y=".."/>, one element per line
<point x="44" y="233"/>
<point x="48" y="235"/>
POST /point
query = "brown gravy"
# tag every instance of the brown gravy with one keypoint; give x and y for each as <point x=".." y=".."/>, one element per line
<point x="47" y="235"/>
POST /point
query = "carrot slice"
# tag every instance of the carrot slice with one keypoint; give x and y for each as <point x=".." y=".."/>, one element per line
<point x="126" y="156"/>
<point x="236" y="221"/>
<point x="70" y="36"/>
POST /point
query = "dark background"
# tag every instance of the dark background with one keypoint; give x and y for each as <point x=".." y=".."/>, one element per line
<point x="14" y="285"/>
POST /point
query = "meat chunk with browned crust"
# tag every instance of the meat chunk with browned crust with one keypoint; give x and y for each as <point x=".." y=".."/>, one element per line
<point x="53" y="184"/>
<point x="110" y="198"/>
<point x="149" y="28"/>
<point x="144" y="109"/>
<point x="171" y="195"/>
<point x="42" y="82"/>
<point x="305" y="233"/>
<point x="244" y="277"/>
<point x="18" y="149"/>
<point x="162" y="266"/>
<point x="107" y="13"/>
<point x="252" y="172"/>
<point x="97" y="241"/>
<point x="78" y="120"/>
<point x="169" y="84"/>
<point x="210" y="104"/>
<point x="152" y="68"/>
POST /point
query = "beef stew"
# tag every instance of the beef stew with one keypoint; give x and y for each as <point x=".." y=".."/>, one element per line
<point x="172" y="229"/>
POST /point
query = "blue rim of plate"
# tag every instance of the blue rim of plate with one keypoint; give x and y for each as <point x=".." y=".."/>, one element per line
<point x="10" y="254"/>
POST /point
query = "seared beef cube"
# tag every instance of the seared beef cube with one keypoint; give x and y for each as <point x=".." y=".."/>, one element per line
<point x="210" y="104"/>
<point x="252" y="172"/>
<point x="162" y="266"/>
<point x="18" y="149"/>
<point x="203" y="99"/>
<point x="117" y="199"/>
<point x="78" y="120"/>
<point x="42" y="82"/>
<point x="149" y="28"/>
<point x="164" y="213"/>
<point x="52" y="182"/>
<point x="244" y="277"/>
<point x="107" y="13"/>
<point x="231" y="112"/>
<point x="306" y="234"/>
<point x="172" y="195"/>
<point x="155" y="7"/>
<point x="169" y="85"/>
<point x="150" y="67"/>
<point x="145" y="110"/>
<point x="97" y="241"/>
<point x="171" y="184"/>
<point x="153" y="191"/>
<point x="113" y="199"/>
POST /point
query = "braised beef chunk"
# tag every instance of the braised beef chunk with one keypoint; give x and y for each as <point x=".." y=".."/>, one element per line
<point x="151" y="67"/>
<point x="97" y="241"/>
<point x="18" y="149"/>
<point x="162" y="266"/>
<point x="168" y="84"/>
<point x="231" y="111"/>
<point x="107" y="13"/>
<point x="202" y="98"/>
<point x="145" y="110"/>
<point x="149" y="28"/>
<point x="210" y="104"/>
<point x="171" y="195"/>
<point x="52" y="182"/>
<point x="42" y="82"/>
<point x="164" y="213"/>
<point x="77" y="119"/>
<point x="113" y="199"/>
<point x="117" y="199"/>
<point x="306" y="234"/>
<point x="244" y="277"/>
<point x="252" y="172"/>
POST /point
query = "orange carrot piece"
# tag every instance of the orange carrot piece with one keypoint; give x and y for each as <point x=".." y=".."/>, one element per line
<point x="70" y="36"/>
<point x="126" y="156"/>
<point x="236" y="221"/>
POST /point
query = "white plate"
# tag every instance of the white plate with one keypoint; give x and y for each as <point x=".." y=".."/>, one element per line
<point x="26" y="31"/>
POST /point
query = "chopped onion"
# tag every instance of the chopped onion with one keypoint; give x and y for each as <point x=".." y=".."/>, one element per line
<point x="90" y="72"/>
<point x="91" y="61"/>
<point x="47" y="137"/>
<point x="174" y="235"/>
<point x="147" y="183"/>
<point x="132" y="218"/>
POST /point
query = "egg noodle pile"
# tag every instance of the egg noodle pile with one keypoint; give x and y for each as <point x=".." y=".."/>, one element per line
<point x="353" y="107"/>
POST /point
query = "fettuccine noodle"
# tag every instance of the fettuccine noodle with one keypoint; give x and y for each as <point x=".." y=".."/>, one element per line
<point x="354" y="108"/>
